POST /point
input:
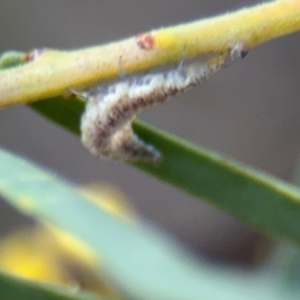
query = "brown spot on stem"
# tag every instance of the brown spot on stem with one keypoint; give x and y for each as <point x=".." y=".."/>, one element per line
<point x="145" y="41"/>
<point x="35" y="54"/>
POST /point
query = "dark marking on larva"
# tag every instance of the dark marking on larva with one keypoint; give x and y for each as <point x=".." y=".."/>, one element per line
<point x="244" y="52"/>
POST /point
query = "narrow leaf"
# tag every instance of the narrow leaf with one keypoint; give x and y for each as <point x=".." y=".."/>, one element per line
<point x="143" y="262"/>
<point x="263" y="201"/>
<point x="15" y="288"/>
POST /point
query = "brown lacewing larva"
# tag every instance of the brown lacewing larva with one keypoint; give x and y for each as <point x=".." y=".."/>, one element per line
<point x="106" y="123"/>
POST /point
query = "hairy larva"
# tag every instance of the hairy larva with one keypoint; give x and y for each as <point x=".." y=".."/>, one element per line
<point x="106" y="123"/>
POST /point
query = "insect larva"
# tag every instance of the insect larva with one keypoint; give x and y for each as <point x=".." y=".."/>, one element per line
<point x="106" y="123"/>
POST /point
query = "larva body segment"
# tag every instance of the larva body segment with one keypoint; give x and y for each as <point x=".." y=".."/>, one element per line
<point x="106" y="123"/>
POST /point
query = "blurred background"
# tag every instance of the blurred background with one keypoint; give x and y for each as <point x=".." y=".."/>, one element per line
<point x="249" y="112"/>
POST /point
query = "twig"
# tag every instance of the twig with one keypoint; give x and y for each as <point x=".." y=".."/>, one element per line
<point x="51" y="72"/>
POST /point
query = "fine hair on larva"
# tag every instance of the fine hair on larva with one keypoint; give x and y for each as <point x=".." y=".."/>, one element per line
<point x="106" y="123"/>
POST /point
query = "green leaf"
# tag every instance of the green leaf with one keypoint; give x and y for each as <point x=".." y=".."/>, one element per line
<point x="15" y="288"/>
<point x="142" y="261"/>
<point x="262" y="201"/>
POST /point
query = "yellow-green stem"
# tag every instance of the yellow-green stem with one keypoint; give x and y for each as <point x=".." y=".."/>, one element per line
<point x="54" y="71"/>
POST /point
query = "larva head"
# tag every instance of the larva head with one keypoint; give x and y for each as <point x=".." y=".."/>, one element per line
<point x="239" y="50"/>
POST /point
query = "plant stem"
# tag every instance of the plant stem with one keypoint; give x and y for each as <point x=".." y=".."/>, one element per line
<point x="51" y="72"/>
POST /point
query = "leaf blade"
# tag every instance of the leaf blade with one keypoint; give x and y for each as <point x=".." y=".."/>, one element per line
<point x="12" y="287"/>
<point x="143" y="262"/>
<point x="263" y="201"/>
